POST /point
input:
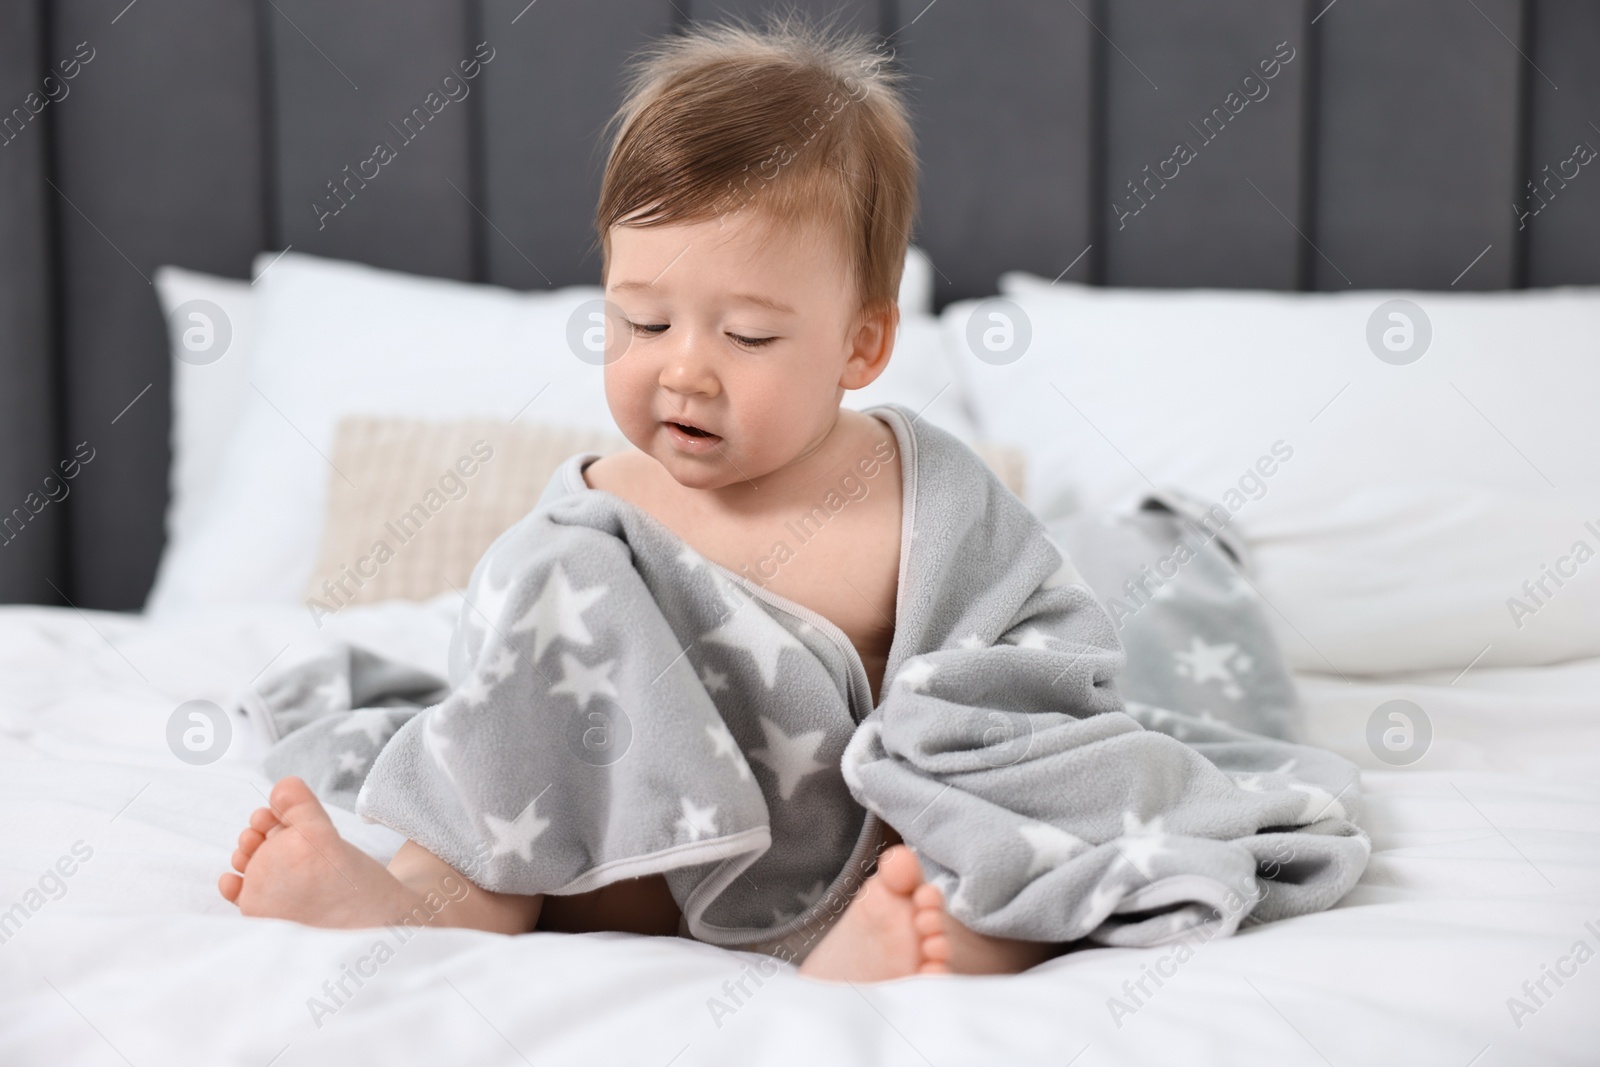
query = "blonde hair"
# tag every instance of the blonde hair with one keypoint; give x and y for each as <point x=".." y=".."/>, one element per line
<point x="799" y="123"/>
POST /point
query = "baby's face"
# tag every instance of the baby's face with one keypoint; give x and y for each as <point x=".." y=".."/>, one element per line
<point x="744" y="329"/>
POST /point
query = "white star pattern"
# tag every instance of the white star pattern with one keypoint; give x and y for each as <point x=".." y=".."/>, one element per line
<point x="372" y="722"/>
<point x="1132" y="824"/>
<point x="1320" y="804"/>
<point x="789" y="758"/>
<point x="351" y="761"/>
<point x="490" y="604"/>
<point x="697" y="822"/>
<point x="714" y="681"/>
<point x="1104" y="900"/>
<point x="915" y="674"/>
<point x="517" y="835"/>
<point x="585" y="683"/>
<point x="1033" y="637"/>
<point x="733" y="595"/>
<point x="758" y="634"/>
<point x="1203" y="663"/>
<point x="971" y="642"/>
<point x="1052" y="846"/>
<point x="332" y="694"/>
<point x="559" y="612"/>
<point x="808" y="897"/>
<point x="505" y="661"/>
<point x="691" y="559"/>
<point x="1140" y="850"/>
<point x="1250" y="783"/>
<point x="437" y="743"/>
<point x="724" y="745"/>
<point x="476" y="692"/>
<point x="1141" y="842"/>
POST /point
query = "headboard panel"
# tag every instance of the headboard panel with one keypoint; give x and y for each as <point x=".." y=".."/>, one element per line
<point x="1213" y="220"/>
<point x="1389" y="151"/>
<point x="1006" y="142"/>
<point x="547" y="97"/>
<point x="1443" y="122"/>
<point x="334" y="195"/>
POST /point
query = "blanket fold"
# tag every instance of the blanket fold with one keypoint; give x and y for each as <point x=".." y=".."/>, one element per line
<point x="618" y="706"/>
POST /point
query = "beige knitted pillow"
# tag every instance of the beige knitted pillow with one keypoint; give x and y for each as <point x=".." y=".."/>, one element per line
<point x="414" y="505"/>
<point x="424" y="500"/>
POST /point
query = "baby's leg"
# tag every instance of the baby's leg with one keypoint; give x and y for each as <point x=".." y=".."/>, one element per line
<point x="897" y="926"/>
<point x="294" y="865"/>
<point x="635" y="906"/>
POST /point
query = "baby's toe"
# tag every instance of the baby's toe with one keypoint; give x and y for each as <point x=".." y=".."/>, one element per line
<point x="928" y="921"/>
<point x="229" y="885"/>
<point x="898" y="870"/>
<point x="250" y="839"/>
<point x="263" y="820"/>
<point x="296" y="805"/>
<point x="936" y="949"/>
<point x="928" y="898"/>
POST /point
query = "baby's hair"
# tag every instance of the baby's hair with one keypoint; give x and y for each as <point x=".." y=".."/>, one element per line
<point x="798" y="123"/>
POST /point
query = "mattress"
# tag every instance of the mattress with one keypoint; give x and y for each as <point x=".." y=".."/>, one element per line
<point x="1459" y="946"/>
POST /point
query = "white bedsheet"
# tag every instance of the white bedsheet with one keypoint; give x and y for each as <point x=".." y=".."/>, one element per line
<point x="1485" y="870"/>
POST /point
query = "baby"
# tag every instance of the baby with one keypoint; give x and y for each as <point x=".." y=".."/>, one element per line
<point x="753" y="220"/>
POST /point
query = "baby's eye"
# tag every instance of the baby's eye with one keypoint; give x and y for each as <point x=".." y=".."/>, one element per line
<point x="751" y="342"/>
<point x="647" y="328"/>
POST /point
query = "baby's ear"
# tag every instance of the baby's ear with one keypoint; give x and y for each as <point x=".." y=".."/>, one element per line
<point x="871" y="345"/>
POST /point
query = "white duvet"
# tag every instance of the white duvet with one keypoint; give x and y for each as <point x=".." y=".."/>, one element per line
<point x="1484" y="879"/>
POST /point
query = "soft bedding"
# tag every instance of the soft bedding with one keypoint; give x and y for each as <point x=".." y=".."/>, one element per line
<point x="1485" y="871"/>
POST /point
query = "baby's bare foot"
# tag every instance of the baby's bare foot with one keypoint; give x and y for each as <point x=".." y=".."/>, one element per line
<point x="876" y="939"/>
<point x="296" y="866"/>
<point x="950" y="947"/>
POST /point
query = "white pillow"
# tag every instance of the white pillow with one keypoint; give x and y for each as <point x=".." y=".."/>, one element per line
<point x="335" y="339"/>
<point x="1277" y="406"/>
<point x="1406" y="578"/>
<point x="210" y="377"/>
<point x="916" y="283"/>
<point x="1191" y="387"/>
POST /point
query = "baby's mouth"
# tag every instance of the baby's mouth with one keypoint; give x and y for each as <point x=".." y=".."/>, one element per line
<point x="693" y="431"/>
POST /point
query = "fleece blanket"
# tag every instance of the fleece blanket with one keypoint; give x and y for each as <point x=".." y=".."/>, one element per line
<point x="620" y="706"/>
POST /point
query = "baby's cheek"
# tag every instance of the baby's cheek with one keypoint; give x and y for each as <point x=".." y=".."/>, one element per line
<point x="626" y="395"/>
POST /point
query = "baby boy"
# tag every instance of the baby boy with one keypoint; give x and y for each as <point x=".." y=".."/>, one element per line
<point x="753" y="220"/>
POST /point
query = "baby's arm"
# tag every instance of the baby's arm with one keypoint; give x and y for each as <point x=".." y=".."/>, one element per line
<point x="465" y="904"/>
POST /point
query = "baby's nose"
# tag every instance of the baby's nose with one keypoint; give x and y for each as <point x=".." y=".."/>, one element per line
<point x="689" y="370"/>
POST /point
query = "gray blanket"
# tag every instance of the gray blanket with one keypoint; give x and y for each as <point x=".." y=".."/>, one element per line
<point x="620" y="706"/>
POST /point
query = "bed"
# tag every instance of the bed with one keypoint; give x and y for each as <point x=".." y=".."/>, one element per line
<point x="1441" y="471"/>
<point x="1485" y="872"/>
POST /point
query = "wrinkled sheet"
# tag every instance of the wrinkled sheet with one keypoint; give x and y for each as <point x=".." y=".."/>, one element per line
<point x="1485" y="868"/>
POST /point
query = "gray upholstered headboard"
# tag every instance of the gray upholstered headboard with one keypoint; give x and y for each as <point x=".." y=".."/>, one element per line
<point x="1392" y="147"/>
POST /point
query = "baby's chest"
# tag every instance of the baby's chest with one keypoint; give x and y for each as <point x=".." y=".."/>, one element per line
<point x="845" y="569"/>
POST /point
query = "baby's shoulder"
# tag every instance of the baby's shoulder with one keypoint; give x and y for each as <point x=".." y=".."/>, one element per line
<point x="620" y="473"/>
